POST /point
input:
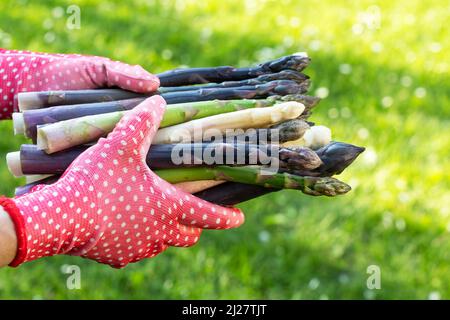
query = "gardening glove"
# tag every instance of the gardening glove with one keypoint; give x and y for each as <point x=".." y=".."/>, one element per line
<point x="110" y="207"/>
<point x="22" y="71"/>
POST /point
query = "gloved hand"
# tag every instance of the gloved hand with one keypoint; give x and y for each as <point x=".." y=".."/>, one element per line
<point x="110" y="207"/>
<point x="28" y="71"/>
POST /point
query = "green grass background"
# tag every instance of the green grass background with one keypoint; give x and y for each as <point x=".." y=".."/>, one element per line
<point x="385" y="65"/>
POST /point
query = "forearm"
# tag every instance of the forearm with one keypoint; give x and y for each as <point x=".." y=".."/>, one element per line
<point x="8" y="239"/>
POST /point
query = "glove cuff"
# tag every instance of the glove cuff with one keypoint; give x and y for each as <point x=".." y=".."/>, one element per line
<point x="19" y="224"/>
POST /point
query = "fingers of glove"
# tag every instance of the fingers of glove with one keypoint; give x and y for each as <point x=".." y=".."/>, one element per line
<point x="206" y="215"/>
<point x="187" y="236"/>
<point x="136" y="129"/>
<point x="133" y="78"/>
<point x="199" y="213"/>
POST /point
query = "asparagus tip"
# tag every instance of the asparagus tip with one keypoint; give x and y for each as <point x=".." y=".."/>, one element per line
<point x="289" y="110"/>
<point x="329" y="187"/>
<point x="13" y="162"/>
<point x="317" y="136"/>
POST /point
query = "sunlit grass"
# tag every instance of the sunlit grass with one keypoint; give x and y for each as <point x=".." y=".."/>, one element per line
<point x="384" y="66"/>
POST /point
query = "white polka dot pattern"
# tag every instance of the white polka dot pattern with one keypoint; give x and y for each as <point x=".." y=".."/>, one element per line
<point x="98" y="211"/>
<point x="22" y="71"/>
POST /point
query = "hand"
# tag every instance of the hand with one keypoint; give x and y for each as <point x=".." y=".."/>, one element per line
<point x="110" y="207"/>
<point x="28" y="71"/>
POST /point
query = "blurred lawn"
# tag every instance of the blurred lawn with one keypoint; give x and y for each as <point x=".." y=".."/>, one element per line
<point x="388" y="89"/>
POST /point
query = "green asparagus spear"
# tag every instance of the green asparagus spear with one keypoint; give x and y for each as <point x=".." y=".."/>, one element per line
<point x="315" y="186"/>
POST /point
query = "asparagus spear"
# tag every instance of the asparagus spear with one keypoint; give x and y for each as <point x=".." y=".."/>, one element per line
<point x="314" y="186"/>
<point x="282" y="75"/>
<point x="28" y="121"/>
<point x="180" y="77"/>
<point x="65" y="134"/>
<point x="335" y="156"/>
<point x="219" y="124"/>
<point x="278" y="87"/>
<point x="232" y="193"/>
<point x="280" y="133"/>
<point x="30" y="160"/>
<point x="43" y="99"/>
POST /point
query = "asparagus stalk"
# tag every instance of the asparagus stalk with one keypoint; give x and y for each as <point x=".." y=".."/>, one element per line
<point x="43" y="99"/>
<point x="278" y="87"/>
<point x="282" y="75"/>
<point x="29" y="160"/>
<point x="180" y="77"/>
<point x="214" y="126"/>
<point x="184" y="112"/>
<point x="28" y="121"/>
<point x="335" y="156"/>
<point x="232" y="193"/>
<point x="315" y="186"/>
<point x="280" y="133"/>
<point x="65" y="134"/>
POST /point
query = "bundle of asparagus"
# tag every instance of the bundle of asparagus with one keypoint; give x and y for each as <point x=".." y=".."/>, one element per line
<point x="228" y="134"/>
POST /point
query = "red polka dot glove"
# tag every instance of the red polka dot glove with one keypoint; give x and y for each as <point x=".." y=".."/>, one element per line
<point x="28" y="71"/>
<point x="110" y="207"/>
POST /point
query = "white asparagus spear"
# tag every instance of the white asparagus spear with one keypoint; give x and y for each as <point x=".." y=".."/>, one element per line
<point x="18" y="123"/>
<point x="14" y="164"/>
<point x="205" y="128"/>
<point x="314" y="138"/>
